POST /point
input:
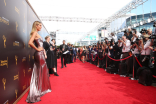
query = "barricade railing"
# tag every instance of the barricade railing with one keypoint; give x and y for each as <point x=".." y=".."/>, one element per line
<point x="97" y="56"/>
<point x="141" y="65"/>
<point x="118" y="59"/>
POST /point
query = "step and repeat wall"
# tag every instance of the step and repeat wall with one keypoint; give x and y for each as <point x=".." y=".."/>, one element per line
<point x="16" y="56"/>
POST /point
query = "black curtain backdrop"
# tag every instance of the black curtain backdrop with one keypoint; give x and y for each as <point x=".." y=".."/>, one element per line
<point x="16" y="57"/>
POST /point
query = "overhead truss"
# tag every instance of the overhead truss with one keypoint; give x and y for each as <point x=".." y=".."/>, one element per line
<point x="102" y="22"/>
<point x="76" y="33"/>
<point x="121" y="13"/>
<point x="71" y="19"/>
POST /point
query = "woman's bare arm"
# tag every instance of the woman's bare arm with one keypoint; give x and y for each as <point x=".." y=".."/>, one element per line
<point x="31" y="41"/>
<point x="45" y="54"/>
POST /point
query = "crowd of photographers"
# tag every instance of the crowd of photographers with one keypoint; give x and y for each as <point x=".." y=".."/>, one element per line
<point x="132" y="43"/>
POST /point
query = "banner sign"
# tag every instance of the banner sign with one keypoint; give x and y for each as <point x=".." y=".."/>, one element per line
<point x="16" y="56"/>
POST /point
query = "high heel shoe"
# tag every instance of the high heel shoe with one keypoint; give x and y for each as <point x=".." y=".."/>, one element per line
<point x="55" y="73"/>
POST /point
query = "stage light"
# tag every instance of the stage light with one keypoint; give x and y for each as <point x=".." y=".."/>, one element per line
<point x="136" y="25"/>
<point x="141" y="22"/>
<point x="150" y="19"/>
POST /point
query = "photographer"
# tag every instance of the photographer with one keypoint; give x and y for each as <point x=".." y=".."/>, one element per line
<point x="135" y="36"/>
<point x="114" y="37"/>
<point x="154" y="53"/>
<point x="100" y="53"/>
<point x="135" y="51"/>
<point x="110" y="53"/>
<point x="149" y="32"/>
<point x="153" y="48"/>
<point x="145" y="53"/>
<point x="125" y="50"/>
<point x="128" y="33"/>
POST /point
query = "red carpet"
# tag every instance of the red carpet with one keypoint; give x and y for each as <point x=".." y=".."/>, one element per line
<point x="80" y="83"/>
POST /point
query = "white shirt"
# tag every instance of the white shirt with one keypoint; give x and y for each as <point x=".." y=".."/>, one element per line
<point x="146" y="50"/>
<point x="136" y="51"/>
<point x="126" y="48"/>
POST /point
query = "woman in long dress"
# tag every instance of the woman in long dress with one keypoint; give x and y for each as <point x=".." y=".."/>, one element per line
<point x="49" y="48"/>
<point x="55" y="53"/>
<point x="40" y="83"/>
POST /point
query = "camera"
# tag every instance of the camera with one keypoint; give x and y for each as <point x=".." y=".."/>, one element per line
<point x="136" y="41"/>
<point x="126" y="31"/>
<point x="153" y="36"/>
<point x="134" y="31"/>
<point x="143" y="31"/>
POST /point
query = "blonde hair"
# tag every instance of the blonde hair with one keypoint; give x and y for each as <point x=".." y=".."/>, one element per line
<point x="47" y="37"/>
<point x="34" y="27"/>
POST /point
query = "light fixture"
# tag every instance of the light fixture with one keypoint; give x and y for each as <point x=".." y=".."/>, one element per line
<point x="141" y="22"/>
<point x="150" y="19"/>
<point x="136" y="24"/>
